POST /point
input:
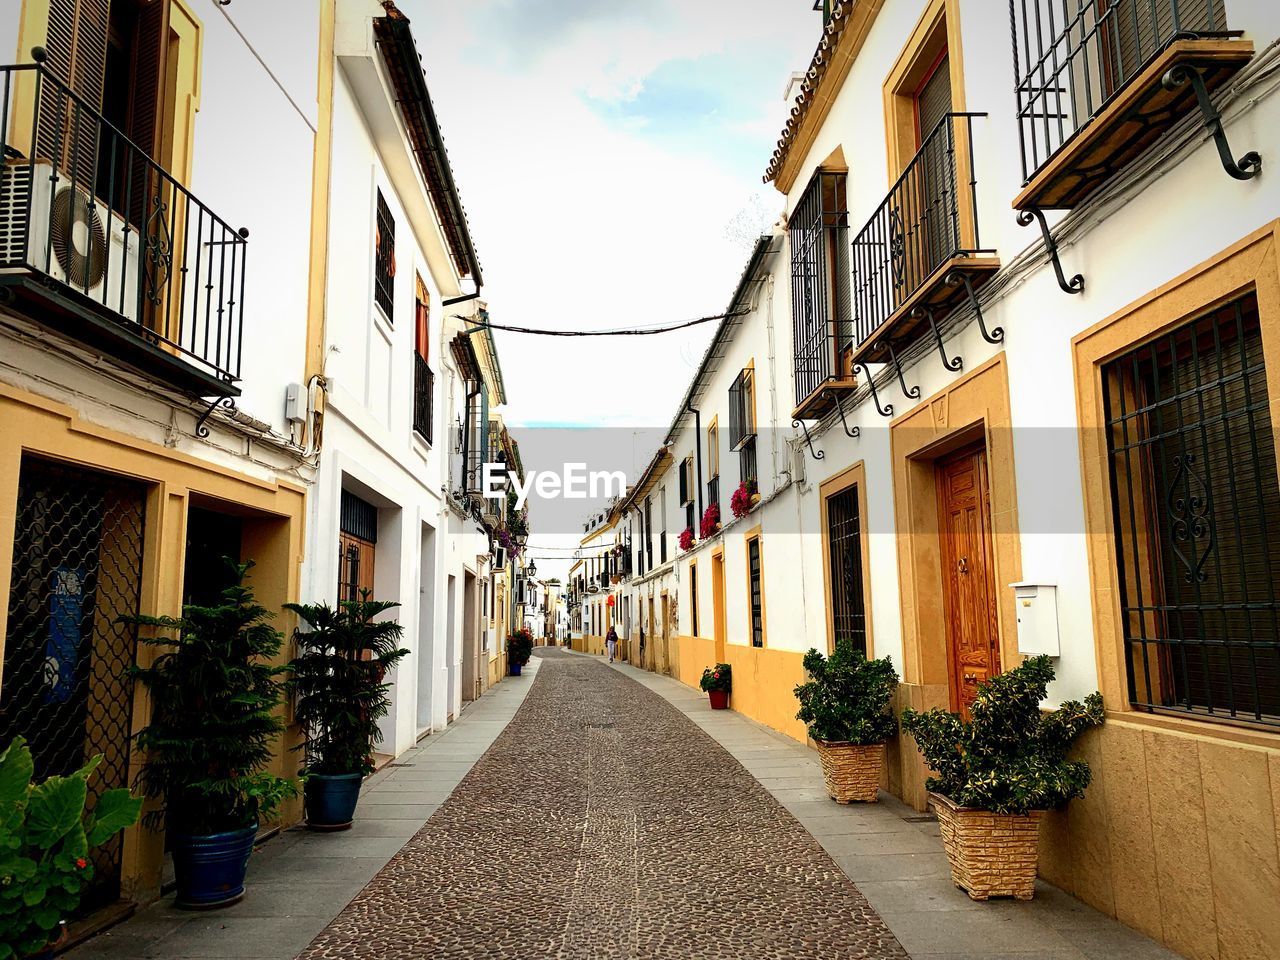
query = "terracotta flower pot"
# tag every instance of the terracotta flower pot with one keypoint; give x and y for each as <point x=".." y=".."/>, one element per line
<point x="991" y="854"/>
<point x="719" y="699"/>
<point x="851" y="770"/>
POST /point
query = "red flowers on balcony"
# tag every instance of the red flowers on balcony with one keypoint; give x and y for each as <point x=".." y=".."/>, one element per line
<point x="686" y="539"/>
<point x="740" y="502"/>
<point x="710" y="521"/>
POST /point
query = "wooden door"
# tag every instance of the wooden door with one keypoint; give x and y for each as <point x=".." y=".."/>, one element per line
<point x="355" y="566"/>
<point x="968" y="575"/>
<point x="717" y="604"/>
<point x="651" y="638"/>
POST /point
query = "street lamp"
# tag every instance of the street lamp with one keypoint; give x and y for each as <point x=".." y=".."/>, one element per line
<point x="533" y="569"/>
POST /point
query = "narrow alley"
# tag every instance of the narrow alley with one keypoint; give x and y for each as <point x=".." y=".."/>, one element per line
<point x="593" y="811"/>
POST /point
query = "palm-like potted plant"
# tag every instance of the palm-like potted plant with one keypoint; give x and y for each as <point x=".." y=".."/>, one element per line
<point x="716" y="682"/>
<point x="996" y="773"/>
<point x="845" y="704"/>
<point x="338" y="680"/>
<point x="45" y="843"/>
<point x="519" y="650"/>
<point x="214" y="692"/>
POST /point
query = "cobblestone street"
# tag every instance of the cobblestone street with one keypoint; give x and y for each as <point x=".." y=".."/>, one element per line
<point x="603" y="823"/>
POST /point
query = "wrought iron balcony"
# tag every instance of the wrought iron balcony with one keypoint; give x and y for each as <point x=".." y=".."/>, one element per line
<point x="103" y="245"/>
<point x="1099" y="82"/>
<point x="424" y="388"/>
<point x="713" y="491"/>
<point x="920" y="253"/>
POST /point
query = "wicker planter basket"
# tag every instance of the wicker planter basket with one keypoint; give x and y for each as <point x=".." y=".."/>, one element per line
<point x="991" y="854"/>
<point x="851" y="770"/>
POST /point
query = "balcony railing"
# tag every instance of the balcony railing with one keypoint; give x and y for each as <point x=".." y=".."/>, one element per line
<point x="101" y="242"/>
<point x="424" y="388"/>
<point x="713" y="491"/>
<point x="924" y="229"/>
<point x="1096" y="83"/>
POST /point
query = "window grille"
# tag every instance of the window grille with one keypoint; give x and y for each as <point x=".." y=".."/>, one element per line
<point x="820" y="308"/>
<point x="384" y="258"/>
<point x="844" y="549"/>
<point x="1195" y="500"/>
<point x="757" y="592"/>
<point x="77" y="569"/>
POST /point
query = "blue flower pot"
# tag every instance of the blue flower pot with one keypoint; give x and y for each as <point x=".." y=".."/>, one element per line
<point x="331" y="800"/>
<point x="210" y="869"/>
<point x="515" y="669"/>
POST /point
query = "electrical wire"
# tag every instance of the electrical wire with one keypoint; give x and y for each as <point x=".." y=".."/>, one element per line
<point x="617" y="332"/>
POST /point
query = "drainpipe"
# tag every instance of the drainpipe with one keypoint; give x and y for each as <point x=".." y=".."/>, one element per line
<point x="697" y="451"/>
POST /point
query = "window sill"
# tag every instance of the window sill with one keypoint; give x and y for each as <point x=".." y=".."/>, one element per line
<point x="1194" y="725"/>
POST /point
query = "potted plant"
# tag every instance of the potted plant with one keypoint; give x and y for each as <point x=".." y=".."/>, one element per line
<point x="717" y="681"/>
<point x="337" y="678"/>
<point x="996" y="773"/>
<point x="519" y="650"/>
<point x="743" y="499"/>
<point x="686" y="539"/>
<point x="214" y="695"/>
<point x="710" y="522"/>
<point x="845" y="704"/>
<point x="45" y="839"/>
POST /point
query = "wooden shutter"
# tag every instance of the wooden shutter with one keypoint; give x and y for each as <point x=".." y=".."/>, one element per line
<point x="77" y="55"/>
<point x="422" y="319"/>
<point x="933" y="102"/>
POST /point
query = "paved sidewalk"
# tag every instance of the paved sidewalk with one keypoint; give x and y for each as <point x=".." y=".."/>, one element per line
<point x="300" y="880"/>
<point x="896" y="859"/>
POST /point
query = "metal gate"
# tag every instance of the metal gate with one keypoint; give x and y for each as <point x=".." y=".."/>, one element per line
<point x="77" y="568"/>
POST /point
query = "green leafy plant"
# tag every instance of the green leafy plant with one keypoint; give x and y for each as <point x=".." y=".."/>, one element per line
<point x="337" y="677"/>
<point x="1012" y="756"/>
<point x="846" y="698"/>
<point x="519" y="647"/>
<point x="214" y="692"/>
<point x="45" y="839"/>
<point x="719" y="677"/>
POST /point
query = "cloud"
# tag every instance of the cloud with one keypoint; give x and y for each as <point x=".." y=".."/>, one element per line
<point x="606" y="154"/>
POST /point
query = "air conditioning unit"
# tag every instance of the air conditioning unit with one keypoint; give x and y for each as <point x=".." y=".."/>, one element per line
<point x="73" y="236"/>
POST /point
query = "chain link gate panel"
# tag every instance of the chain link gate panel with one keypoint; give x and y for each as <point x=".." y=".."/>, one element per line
<point x="77" y="568"/>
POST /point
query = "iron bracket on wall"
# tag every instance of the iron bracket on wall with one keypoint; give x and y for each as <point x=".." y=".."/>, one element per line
<point x="912" y="393"/>
<point x="951" y="363"/>
<point x="1076" y="283"/>
<point x="887" y="409"/>
<point x="228" y="403"/>
<point x="817" y="454"/>
<point x="957" y="277"/>
<point x="1248" y="166"/>
<point x="834" y="397"/>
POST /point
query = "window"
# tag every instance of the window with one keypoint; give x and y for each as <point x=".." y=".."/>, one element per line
<point x="818" y="232"/>
<point x="358" y="536"/>
<point x="713" y="462"/>
<point x="384" y="258"/>
<point x="686" y="481"/>
<point x="742" y="409"/>
<point x="844" y="551"/>
<point x="693" y="600"/>
<point x="1195" y="500"/>
<point x="662" y="536"/>
<point x="755" y="590"/>
<point x="424" y="380"/>
<point x="648" y="531"/>
<point x="747" y="465"/>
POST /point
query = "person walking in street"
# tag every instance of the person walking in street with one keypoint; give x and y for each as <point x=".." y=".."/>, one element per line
<point x="611" y="642"/>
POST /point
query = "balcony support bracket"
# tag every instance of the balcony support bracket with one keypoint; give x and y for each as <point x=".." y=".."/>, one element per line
<point x="1249" y="165"/>
<point x="1076" y="283"/>
<point x="951" y="363"/>
<point x="958" y="277"/>
<point x="228" y="403"/>
<point x="912" y="393"/>
<point x="852" y="432"/>
<point x="817" y="454"/>
<point x="887" y="409"/>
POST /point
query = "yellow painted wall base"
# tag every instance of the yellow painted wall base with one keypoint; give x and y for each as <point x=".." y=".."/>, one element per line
<point x="764" y="682"/>
<point x="274" y="520"/>
<point x="693" y="655"/>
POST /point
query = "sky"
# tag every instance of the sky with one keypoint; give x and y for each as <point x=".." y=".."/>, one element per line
<point x="610" y="159"/>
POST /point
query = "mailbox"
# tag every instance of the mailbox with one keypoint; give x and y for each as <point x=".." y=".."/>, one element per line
<point x="1037" y="606"/>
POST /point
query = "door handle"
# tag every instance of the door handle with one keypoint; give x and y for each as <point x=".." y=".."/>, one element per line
<point x="970" y="679"/>
<point x="963" y="564"/>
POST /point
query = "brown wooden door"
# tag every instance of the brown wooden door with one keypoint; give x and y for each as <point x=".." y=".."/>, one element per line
<point x="968" y="575"/>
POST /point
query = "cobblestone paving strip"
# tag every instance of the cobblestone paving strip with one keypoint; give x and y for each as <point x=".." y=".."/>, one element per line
<point x="603" y="823"/>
